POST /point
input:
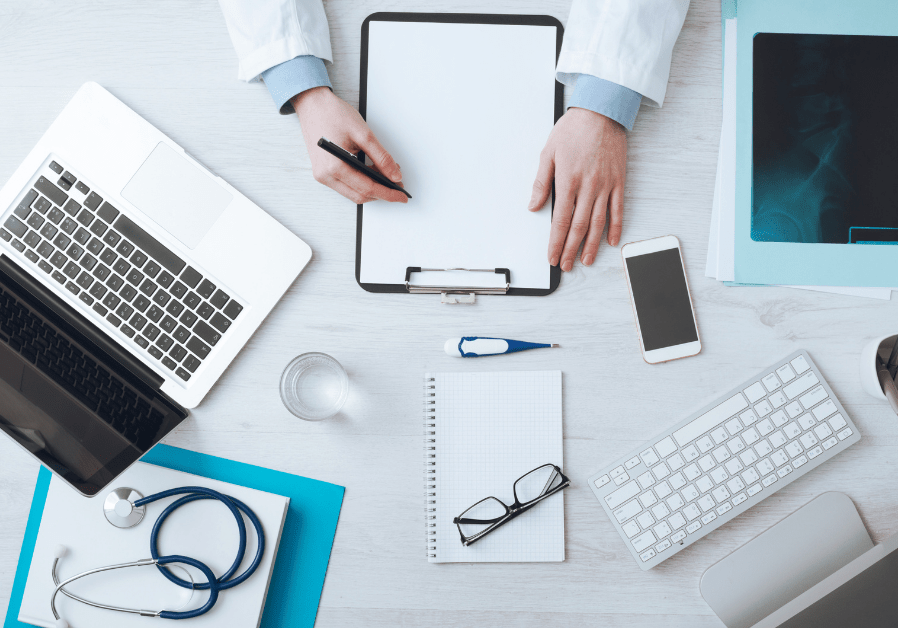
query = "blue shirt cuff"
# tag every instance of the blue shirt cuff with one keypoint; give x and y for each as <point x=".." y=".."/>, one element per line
<point x="614" y="101"/>
<point x="293" y="77"/>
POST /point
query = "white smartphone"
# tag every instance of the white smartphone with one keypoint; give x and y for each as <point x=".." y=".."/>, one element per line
<point x="662" y="305"/>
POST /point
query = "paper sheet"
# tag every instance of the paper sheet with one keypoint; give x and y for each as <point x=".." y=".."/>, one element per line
<point x="468" y="141"/>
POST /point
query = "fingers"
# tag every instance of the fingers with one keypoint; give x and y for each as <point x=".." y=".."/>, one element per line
<point x="542" y="186"/>
<point x="561" y="222"/>
<point x="365" y="187"/>
<point x="580" y="223"/>
<point x="383" y="161"/>
<point x="617" y="215"/>
<point x="596" y="227"/>
<point x="343" y="189"/>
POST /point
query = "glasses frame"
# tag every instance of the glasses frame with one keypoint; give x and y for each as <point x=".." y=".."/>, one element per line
<point x="511" y="512"/>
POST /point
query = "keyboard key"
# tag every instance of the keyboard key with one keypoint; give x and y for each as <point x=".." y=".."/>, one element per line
<point x="794" y="409"/>
<point x="692" y="512"/>
<point x="62" y="241"/>
<point x="800" y="385"/>
<point x="631" y="529"/>
<point x="705" y="444"/>
<point x="777" y="399"/>
<point x="151" y="245"/>
<point x="692" y="472"/>
<point x="101" y="272"/>
<point x="675" y="502"/>
<point x="52" y="192"/>
<point x="816" y="451"/>
<point x="17" y="245"/>
<point x="98" y="228"/>
<point x="141" y="341"/>
<point x="112" y="237"/>
<point x="42" y="205"/>
<point x="220" y="298"/>
<point x="192" y="300"/>
<point x="152" y="269"/>
<point x="71" y="270"/>
<point x="648" y="555"/>
<point x="754" y="489"/>
<point x="806" y="421"/>
<point x="137" y="321"/>
<point x="125" y="311"/>
<point x="792" y="430"/>
<point x="663" y="490"/>
<point x="632" y="462"/>
<point x="719" y="474"/>
<point x="823" y="431"/>
<point x="88" y="262"/>
<point x="148" y="287"/>
<point x="662" y="529"/>
<point x="724" y="508"/>
<point x="625" y="512"/>
<point x="48" y="231"/>
<point x="689" y="454"/>
<point x="98" y="291"/>
<point x="87" y="299"/>
<point x="165" y="280"/>
<point x="169" y="363"/>
<point x="614" y="500"/>
<point x="784" y="471"/>
<point x="111" y="301"/>
<point x="141" y="303"/>
<point x="161" y="297"/>
<point x="82" y="188"/>
<point x="138" y="259"/>
<point x="178" y="289"/>
<point x="770" y="479"/>
<point x="675" y="462"/>
<point x="58" y="259"/>
<point x="174" y="308"/>
<point x="5" y="235"/>
<point x="824" y="410"/>
<point x="755" y="392"/>
<point x="115" y="320"/>
<point x="191" y="277"/>
<point x="24" y="207"/>
<point x="85" y="217"/>
<point x="765" y="427"/>
<point x="198" y="347"/>
<point x="75" y="252"/>
<point x="135" y="277"/>
<point x="801" y="460"/>
<point x="785" y="373"/>
<point x="125" y="248"/>
<point x="55" y="167"/>
<point x="95" y="246"/>
<point x="67" y="178"/>
<point x="644" y="540"/>
<point x="763" y="408"/>
<point x="733" y="466"/>
<point x="779" y="458"/>
<point x="45" y="249"/>
<point x="619" y="480"/>
<point x="800" y="364"/>
<point x="16" y="226"/>
<point x="771" y="382"/>
<point x="735" y="485"/>
<point x="93" y="201"/>
<point x="121" y="267"/>
<point x="127" y="331"/>
<point x="693" y="527"/>
<point x="602" y="481"/>
<point x="845" y="433"/>
<point x="814" y="397"/>
<point x="127" y="293"/>
<point x="837" y="422"/>
<point x="206" y="288"/>
<point x="35" y="221"/>
<point x="154" y="314"/>
<point x="58" y="277"/>
<point x="704" y="484"/>
<point x="31" y="256"/>
<point x="107" y="212"/>
<point x="164" y="342"/>
<point x="778" y="439"/>
<point x="32" y="239"/>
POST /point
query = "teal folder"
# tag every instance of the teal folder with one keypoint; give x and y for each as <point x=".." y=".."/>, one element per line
<point x="785" y="262"/>
<point x="306" y="540"/>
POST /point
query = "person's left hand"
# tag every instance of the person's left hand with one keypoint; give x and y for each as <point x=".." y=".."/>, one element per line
<point x="586" y="154"/>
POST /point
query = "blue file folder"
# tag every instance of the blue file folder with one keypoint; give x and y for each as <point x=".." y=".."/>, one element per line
<point x="304" y="550"/>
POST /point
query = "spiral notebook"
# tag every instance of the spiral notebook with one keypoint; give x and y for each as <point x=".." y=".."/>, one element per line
<point x="482" y="432"/>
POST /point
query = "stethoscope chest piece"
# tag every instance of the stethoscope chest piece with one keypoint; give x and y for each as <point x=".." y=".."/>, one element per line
<point x="120" y="510"/>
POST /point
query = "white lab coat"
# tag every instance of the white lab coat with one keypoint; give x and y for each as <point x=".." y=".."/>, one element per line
<point x="628" y="42"/>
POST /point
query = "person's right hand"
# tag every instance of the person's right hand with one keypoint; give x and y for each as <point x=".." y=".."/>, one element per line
<point x="323" y="114"/>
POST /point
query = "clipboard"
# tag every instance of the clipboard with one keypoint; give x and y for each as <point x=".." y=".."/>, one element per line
<point x="464" y="103"/>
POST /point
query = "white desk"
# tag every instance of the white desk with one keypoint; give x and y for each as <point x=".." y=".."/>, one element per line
<point x="173" y="63"/>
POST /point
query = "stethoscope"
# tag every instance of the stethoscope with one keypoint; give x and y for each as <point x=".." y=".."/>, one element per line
<point x="125" y="508"/>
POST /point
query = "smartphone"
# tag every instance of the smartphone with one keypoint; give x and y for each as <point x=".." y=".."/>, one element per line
<point x="662" y="305"/>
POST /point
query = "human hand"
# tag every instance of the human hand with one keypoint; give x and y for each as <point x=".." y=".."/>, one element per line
<point x="586" y="154"/>
<point x="324" y="114"/>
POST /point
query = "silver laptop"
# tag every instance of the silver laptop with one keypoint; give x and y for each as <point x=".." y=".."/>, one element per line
<point x="110" y="227"/>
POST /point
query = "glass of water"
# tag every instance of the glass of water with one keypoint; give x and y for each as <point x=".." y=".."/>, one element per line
<point x="314" y="386"/>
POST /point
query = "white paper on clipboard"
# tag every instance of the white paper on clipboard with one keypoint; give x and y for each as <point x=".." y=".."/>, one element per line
<point x="465" y="109"/>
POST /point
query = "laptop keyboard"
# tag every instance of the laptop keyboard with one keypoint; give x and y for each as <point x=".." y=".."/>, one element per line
<point x="64" y="362"/>
<point x="719" y="462"/>
<point x="119" y="272"/>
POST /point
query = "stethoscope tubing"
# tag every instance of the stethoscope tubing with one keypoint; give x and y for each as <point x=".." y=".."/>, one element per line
<point x="213" y="585"/>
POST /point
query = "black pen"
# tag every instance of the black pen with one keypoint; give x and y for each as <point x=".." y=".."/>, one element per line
<point x="348" y="158"/>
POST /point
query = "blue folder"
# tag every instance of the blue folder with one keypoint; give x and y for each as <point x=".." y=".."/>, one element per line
<point x="304" y="550"/>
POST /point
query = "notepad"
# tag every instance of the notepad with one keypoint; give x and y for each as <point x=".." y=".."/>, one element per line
<point x="482" y="432"/>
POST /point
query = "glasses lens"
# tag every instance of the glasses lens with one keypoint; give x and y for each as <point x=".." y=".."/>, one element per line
<point x="536" y="484"/>
<point x="481" y="516"/>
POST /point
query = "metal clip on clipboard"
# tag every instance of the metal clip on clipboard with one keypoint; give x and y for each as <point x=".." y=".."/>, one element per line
<point x="463" y="295"/>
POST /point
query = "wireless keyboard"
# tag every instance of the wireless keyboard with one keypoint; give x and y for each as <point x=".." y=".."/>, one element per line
<point x="724" y="459"/>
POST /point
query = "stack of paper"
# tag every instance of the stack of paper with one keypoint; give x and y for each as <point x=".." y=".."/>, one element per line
<point x="721" y="240"/>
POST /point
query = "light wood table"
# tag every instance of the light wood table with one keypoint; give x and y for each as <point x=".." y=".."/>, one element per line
<point x="173" y="63"/>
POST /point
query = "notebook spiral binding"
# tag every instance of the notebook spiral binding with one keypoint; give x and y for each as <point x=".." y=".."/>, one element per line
<point x="430" y="467"/>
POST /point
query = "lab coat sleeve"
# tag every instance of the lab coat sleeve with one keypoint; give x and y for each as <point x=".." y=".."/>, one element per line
<point x="628" y="42"/>
<point x="265" y="33"/>
<point x="614" y="101"/>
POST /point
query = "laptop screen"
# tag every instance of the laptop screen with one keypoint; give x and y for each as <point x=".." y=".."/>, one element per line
<point x="65" y="400"/>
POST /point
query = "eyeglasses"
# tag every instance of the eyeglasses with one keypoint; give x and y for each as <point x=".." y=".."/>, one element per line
<point x="490" y="513"/>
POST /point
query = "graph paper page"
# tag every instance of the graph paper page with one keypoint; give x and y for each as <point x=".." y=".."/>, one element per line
<point x="492" y="428"/>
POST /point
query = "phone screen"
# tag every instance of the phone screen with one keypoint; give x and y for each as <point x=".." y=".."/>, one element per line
<point x="662" y="302"/>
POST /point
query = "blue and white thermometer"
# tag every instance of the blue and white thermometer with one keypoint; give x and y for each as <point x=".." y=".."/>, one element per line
<point x="475" y="347"/>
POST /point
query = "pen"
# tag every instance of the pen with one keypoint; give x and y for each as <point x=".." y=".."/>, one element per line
<point x="475" y="347"/>
<point x="348" y="158"/>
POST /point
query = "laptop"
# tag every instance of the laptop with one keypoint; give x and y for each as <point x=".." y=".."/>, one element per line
<point x="131" y="276"/>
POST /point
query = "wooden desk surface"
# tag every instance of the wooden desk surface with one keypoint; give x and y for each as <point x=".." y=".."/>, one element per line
<point x="173" y="63"/>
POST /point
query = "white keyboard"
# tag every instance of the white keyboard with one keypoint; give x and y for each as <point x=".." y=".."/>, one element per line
<point x="724" y="459"/>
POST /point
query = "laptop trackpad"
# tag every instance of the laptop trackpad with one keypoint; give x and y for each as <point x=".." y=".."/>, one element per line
<point x="181" y="198"/>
